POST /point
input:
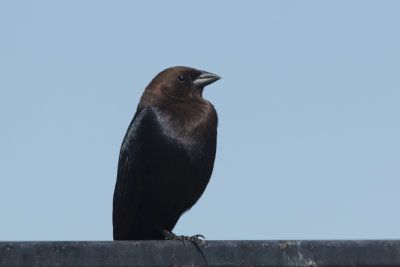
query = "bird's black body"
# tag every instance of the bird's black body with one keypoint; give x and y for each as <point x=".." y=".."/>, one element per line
<point x="166" y="158"/>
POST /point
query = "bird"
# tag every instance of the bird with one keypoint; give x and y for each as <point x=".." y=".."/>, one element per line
<point x="166" y="157"/>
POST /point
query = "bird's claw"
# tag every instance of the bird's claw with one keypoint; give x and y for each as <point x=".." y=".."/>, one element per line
<point x="196" y="238"/>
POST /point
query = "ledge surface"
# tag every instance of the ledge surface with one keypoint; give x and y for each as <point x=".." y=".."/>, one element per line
<point x="212" y="253"/>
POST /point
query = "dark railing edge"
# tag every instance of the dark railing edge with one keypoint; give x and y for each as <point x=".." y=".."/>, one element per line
<point x="211" y="253"/>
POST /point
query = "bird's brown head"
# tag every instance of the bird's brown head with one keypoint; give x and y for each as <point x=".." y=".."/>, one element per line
<point x="178" y="84"/>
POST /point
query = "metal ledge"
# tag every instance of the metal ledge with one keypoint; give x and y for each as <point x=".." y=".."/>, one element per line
<point x="212" y="253"/>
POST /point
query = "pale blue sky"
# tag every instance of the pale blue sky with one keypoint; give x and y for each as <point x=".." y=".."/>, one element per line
<point x="308" y="144"/>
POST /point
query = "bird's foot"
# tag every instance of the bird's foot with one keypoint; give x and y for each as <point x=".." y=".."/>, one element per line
<point x="195" y="239"/>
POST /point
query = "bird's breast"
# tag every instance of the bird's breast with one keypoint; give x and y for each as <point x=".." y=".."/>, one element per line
<point x="178" y="155"/>
<point x="189" y="124"/>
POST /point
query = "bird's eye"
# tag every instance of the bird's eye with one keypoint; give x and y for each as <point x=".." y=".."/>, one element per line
<point x="181" y="78"/>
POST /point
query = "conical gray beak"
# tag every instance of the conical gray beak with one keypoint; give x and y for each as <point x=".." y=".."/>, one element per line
<point x="205" y="79"/>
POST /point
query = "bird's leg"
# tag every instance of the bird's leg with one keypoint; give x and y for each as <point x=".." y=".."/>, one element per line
<point x="196" y="238"/>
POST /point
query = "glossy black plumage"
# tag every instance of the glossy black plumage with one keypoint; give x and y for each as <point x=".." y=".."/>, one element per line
<point x="167" y="155"/>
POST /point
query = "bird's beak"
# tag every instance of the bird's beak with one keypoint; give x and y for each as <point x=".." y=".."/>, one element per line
<point x="205" y="79"/>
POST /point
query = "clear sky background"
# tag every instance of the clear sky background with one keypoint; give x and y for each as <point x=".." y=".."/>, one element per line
<point x="309" y="105"/>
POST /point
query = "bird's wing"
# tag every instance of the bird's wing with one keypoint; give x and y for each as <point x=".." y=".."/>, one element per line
<point x="129" y="185"/>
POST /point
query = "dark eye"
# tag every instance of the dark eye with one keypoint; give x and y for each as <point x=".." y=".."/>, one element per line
<point x="181" y="78"/>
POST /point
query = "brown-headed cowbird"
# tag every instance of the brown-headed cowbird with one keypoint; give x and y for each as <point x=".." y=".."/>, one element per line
<point x="167" y="155"/>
